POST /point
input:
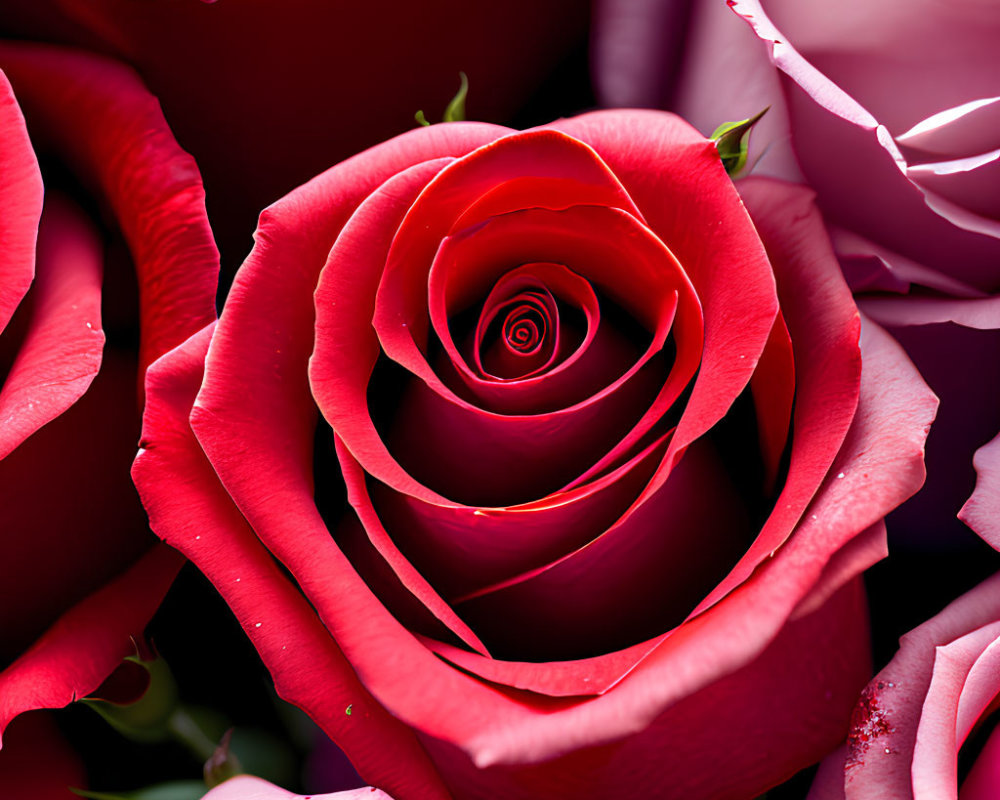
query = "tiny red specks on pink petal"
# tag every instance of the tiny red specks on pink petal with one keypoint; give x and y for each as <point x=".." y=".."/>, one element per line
<point x="868" y="722"/>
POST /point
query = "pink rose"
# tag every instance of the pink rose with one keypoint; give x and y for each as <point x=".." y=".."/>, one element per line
<point x="890" y="112"/>
<point x="585" y="540"/>
<point x="246" y="787"/>
<point x="936" y="697"/>
<point x="79" y="570"/>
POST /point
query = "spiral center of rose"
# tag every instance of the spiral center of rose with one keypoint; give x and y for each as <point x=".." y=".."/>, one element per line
<point x="524" y="328"/>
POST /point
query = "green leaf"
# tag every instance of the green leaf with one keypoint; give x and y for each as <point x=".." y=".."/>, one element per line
<point x="174" y="790"/>
<point x="419" y="117"/>
<point x="731" y="140"/>
<point x="455" y="111"/>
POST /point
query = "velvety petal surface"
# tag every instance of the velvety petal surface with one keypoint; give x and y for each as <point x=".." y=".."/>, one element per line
<point x="247" y="787"/>
<point x="21" y="199"/>
<point x="152" y="186"/>
<point x="675" y="162"/>
<point x="982" y="511"/>
<point x="189" y="508"/>
<point x="888" y="722"/>
<point x="60" y="346"/>
<point x="829" y="112"/>
<point x="85" y="645"/>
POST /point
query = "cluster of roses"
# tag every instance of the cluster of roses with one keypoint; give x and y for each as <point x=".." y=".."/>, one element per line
<point x="555" y="457"/>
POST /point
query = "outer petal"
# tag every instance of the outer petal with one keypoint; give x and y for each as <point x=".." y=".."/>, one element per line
<point x="826" y="119"/>
<point x="884" y="734"/>
<point x="152" y="186"/>
<point x="650" y="150"/>
<point x="963" y="686"/>
<point x="247" y="787"/>
<point x="882" y="55"/>
<point x="823" y="325"/>
<point x="191" y="510"/>
<point x="982" y="511"/>
<point x="60" y="351"/>
<point x="21" y="200"/>
<point x="86" y="644"/>
<point x="154" y="191"/>
<point x="676" y="753"/>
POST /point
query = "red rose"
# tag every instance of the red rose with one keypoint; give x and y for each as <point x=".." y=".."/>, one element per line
<point x="937" y="696"/>
<point x="614" y="458"/>
<point x="78" y="566"/>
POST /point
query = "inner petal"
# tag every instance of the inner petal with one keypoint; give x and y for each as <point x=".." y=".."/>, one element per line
<point x="518" y="337"/>
<point x="474" y="360"/>
<point x="525" y="329"/>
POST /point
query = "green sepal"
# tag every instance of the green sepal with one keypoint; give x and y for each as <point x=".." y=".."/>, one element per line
<point x="148" y="718"/>
<point x="732" y="139"/>
<point x="455" y="111"/>
<point x="223" y="763"/>
<point x="173" y="790"/>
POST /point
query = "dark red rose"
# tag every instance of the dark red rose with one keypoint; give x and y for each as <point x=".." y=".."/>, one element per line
<point x="79" y="570"/>
<point x="613" y="452"/>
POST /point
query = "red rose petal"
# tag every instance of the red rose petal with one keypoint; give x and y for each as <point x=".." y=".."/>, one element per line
<point x="773" y="388"/>
<point x="191" y="510"/>
<point x="463" y="550"/>
<point x="675" y="177"/>
<point x="85" y="645"/>
<point x="738" y="719"/>
<point x="21" y="201"/>
<point x="539" y="169"/>
<point x="823" y="323"/>
<point x="60" y="352"/>
<point x="257" y="367"/>
<point x="153" y="186"/>
<point x="566" y="346"/>
<point x="656" y="562"/>
<point x="886" y="441"/>
<point x="434" y="432"/>
<point x="413" y="580"/>
<point x="592" y="244"/>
